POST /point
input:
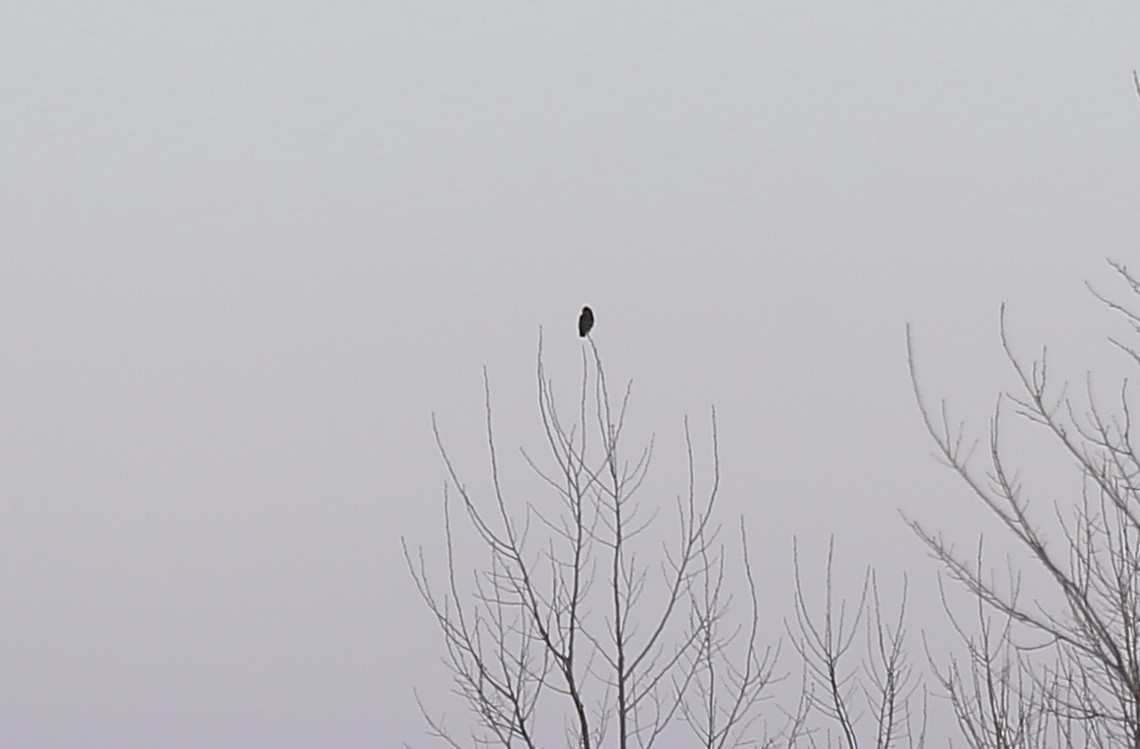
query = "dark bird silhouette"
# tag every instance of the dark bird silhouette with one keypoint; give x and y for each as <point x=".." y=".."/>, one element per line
<point x="585" y="322"/>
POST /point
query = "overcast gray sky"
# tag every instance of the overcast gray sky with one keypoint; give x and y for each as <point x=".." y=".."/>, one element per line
<point x="247" y="249"/>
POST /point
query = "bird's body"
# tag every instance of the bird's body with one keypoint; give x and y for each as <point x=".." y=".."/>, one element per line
<point x="585" y="322"/>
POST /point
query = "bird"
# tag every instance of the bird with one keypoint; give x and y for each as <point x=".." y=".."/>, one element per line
<point x="585" y="322"/>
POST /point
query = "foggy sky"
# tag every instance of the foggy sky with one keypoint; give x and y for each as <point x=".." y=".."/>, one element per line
<point x="248" y="249"/>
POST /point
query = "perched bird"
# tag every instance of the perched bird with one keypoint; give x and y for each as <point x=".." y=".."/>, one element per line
<point x="585" y="322"/>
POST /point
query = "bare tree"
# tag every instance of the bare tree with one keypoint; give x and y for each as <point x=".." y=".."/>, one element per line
<point x="857" y="673"/>
<point x="1060" y="667"/>
<point x="990" y="686"/>
<point x="605" y="617"/>
<point x="585" y="621"/>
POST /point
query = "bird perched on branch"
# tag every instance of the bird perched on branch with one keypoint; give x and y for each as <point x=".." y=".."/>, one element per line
<point x="585" y="322"/>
